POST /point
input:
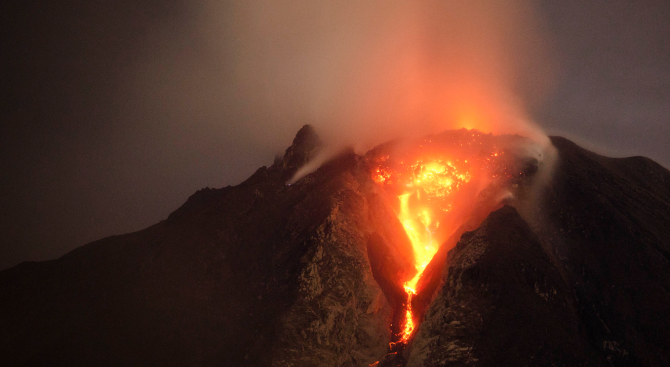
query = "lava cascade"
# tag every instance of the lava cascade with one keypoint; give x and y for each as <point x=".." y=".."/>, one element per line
<point x="435" y="181"/>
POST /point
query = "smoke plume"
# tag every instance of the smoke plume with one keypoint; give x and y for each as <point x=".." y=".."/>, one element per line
<point x="365" y="72"/>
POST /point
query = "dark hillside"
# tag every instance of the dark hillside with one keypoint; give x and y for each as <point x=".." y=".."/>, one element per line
<point x="237" y="276"/>
<point x="590" y="285"/>
<point x="266" y="273"/>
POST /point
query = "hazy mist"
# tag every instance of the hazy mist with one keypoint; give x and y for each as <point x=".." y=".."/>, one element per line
<point x="366" y="72"/>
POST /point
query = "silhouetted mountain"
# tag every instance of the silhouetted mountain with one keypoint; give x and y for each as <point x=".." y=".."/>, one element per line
<point x="575" y="271"/>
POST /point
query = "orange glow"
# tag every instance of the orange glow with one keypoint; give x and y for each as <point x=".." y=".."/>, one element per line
<point x="435" y="179"/>
<point x="429" y="181"/>
<point x="409" y="318"/>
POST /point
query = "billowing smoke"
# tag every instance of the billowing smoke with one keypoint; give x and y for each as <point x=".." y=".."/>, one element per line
<point x="361" y="72"/>
<point x="364" y="72"/>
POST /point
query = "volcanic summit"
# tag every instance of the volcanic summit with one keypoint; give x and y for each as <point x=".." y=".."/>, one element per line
<point x="455" y="249"/>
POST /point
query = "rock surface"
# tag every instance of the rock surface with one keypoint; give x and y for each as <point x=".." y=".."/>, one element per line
<point x="309" y="274"/>
<point x="258" y="274"/>
<point x="588" y="285"/>
<point x="503" y="303"/>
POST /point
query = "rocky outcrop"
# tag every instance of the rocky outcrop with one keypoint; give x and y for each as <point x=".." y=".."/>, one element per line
<point x="306" y="145"/>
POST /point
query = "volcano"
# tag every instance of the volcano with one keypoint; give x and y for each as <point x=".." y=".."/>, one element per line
<point x="456" y="249"/>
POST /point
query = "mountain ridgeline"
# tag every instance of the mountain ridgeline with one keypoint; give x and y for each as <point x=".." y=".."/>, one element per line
<point x="569" y="270"/>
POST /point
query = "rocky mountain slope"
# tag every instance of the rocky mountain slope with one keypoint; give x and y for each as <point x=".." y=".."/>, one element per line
<point x="309" y="274"/>
<point x="583" y="281"/>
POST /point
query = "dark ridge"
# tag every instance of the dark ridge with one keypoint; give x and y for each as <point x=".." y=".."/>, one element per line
<point x="609" y="222"/>
<point x="306" y="145"/>
<point x="244" y="275"/>
<point x="265" y="273"/>
<point x="197" y="201"/>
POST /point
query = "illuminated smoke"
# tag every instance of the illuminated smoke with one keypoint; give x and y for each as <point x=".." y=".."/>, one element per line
<point x="363" y="72"/>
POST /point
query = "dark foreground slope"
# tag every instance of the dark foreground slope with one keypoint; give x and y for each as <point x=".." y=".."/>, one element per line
<point x="503" y="303"/>
<point x="306" y="275"/>
<point x="589" y="285"/>
<point x="608" y="221"/>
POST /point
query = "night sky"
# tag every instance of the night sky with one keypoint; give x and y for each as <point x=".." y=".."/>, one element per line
<point x="112" y="113"/>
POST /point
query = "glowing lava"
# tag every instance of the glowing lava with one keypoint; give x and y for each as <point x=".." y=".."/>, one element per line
<point x="435" y="179"/>
<point x="429" y="180"/>
<point x="409" y="318"/>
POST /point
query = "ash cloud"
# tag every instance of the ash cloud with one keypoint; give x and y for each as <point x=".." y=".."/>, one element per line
<point x="366" y="72"/>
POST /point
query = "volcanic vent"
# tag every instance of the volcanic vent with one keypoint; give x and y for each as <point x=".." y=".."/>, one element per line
<point x="505" y="265"/>
<point x="439" y="186"/>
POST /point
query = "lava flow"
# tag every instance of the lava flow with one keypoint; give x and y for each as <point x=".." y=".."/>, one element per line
<point x="436" y="182"/>
<point x="434" y="179"/>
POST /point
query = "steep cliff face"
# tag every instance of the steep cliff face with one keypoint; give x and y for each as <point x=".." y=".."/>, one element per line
<point x="572" y="271"/>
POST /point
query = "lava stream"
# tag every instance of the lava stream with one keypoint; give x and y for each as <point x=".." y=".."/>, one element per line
<point x="409" y="318"/>
<point x="435" y="181"/>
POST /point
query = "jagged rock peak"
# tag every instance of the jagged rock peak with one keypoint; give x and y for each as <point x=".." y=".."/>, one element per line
<point x="306" y="145"/>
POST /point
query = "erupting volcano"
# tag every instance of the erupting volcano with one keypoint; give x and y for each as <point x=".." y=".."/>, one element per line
<point x="434" y="183"/>
<point x="460" y="248"/>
